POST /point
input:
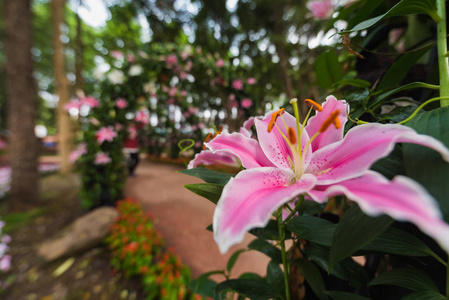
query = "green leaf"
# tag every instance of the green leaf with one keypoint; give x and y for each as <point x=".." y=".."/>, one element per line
<point x="203" y="286"/>
<point x="312" y="276"/>
<point x="354" y="231"/>
<point x="312" y="229"/>
<point x="353" y="82"/>
<point x="396" y="241"/>
<point x="391" y="165"/>
<point x="233" y="259"/>
<point x="425" y="295"/>
<point x="398" y="114"/>
<point x="210" y="191"/>
<point x="266" y="248"/>
<point x="328" y="70"/>
<point x="408" y="278"/>
<point x="275" y="277"/>
<point x="400" y="68"/>
<point x="425" y="165"/>
<point x="253" y="289"/>
<point x="405" y="7"/>
<point x="269" y="232"/>
<point x="377" y="101"/>
<point x="337" y="295"/>
<point x="208" y="176"/>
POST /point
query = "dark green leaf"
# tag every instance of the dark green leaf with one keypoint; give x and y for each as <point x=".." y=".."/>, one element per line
<point x="312" y="276"/>
<point x="405" y="7"/>
<point x="266" y="248"/>
<point x="269" y="232"/>
<point x="398" y="114"/>
<point x="312" y="229"/>
<point x="310" y="208"/>
<point x="337" y="295"/>
<point x="425" y="165"/>
<point x="275" y="277"/>
<point x="203" y="285"/>
<point x="253" y="289"/>
<point x="354" y="231"/>
<point x="208" y="176"/>
<point x="425" y="295"/>
<point x="353" y="82"/>
<point x="233" y="259"/>
<point x="390" y="166"/>
<point x="210" y="191"/>
<point x="327" y="69"/>
<point x="408" y="278"/>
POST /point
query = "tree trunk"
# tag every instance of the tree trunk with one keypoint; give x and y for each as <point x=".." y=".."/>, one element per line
<point x="22" y="105"/>
<point x="62" y="87"/>
<point x="79" y="61"/>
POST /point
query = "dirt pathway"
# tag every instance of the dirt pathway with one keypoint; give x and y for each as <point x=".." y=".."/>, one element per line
<point x="182" y="218"/>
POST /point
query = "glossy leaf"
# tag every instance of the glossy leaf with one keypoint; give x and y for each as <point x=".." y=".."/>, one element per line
<point x="203" y="285"/>
<point x="353" y="82"/>
<point x="312" y="229"/>
<point x="251" y="288"/>
<point x="232" y="260"/>
<point x="328" y="70"/>
<point x="208" y="176"/>
<point x="408" y="278"/>
<point x="425" y="295"/>
<point x="354" y="231"/>
<point x="337" y="295"/>
<point x="266" y="248"/>
<point x="426" y="166"/>
<point x="405" y="7"/>
<point x="312" y="276"/>
<point x="275" y="277"/>
<point x="210" y="191"/>
<point x="269" y="232"/>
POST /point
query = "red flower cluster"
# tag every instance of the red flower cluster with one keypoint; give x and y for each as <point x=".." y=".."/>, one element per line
<point x="138" y="249"/>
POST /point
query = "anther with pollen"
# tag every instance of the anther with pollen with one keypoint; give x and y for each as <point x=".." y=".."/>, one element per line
<point x="313" y="105"/>
<point x="333" y="119"/>
<point x="274" y="117"/>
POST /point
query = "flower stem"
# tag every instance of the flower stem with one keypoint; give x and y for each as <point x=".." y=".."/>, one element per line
<point x="284" y="254"/>
<point x="421" y="107"/>
<point x="443" y="63"/>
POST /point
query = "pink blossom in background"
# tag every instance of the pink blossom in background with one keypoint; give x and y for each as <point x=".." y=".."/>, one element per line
<point x="182" y="75"/>
<point x="73" y="103"/>
<point x="121" y="103"/>
<point x="201" y="126"/>
<point x="232" y="97"/>
<point x="143" y="54"/>
<point x="247" y="103"/>
<point x="193" y="110"/>
<point x="188" y="66"/>
<point x="171" y="60"/>
<point x="94" y="121"/>
<point x="233" y="104"/>
<point x="184" y="54"/>
<point x="186" y="114"/>
<point x="184" y="93"/>
<point x="118" y="126"/>
<point x="105" y="134"/>
<point x="220" y="63"/>
<point x="165" y="89"/>
<point x="173" y="91"/>
<point x="171" y="101"/>
<point x="198" y="50"/>
<point x="237" y="84"/>
<point x="194" y="127"/>
<point x="251" y="81"/>
<point x="5" y="263"/>
<point x="90" y="101"/>
<point x="2" y="223"/>
<point x="102" y="158"/>
<point x="116" y="54"/>
<point x="80" y="150"/>
<point x="320" y="9"/>
<point x="3" y="144"/>
<point x="131" y="58"/>
<point x="6" y="239"/>
<point x="142" y="117"/>
<point x="198" y="144"/>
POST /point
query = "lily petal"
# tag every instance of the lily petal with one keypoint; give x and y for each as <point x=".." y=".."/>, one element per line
<point x="274" y="145"/>
<point x="246" y="128"/>
<point x="361" y="147"/>
<point x="403" y="199"/>
<point x="249" y="200"/>
<point x="246" y="149"/>
<point x="206" y="158"/>
<point x="332" y="134"/>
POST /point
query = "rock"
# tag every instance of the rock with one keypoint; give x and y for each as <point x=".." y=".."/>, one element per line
<point x="83" y="234"/>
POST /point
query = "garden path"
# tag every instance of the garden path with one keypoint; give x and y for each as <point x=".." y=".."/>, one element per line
<point x="182" y="218"/>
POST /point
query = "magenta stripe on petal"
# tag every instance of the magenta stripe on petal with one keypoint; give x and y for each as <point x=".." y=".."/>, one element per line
<point x="361" y="147"/>
<point x="245" y="148"/>
<point x="403" y="199"/>
<point x="249" y="200"/>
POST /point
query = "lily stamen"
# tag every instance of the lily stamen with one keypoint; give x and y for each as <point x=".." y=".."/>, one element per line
<point x="313" y="105"/>
<point x="292" y="136"/>
<point x="274" y="117"/>
<point x="333" y="119"/>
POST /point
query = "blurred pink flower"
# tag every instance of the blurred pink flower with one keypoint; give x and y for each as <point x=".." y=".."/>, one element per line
<point x="320" y="9"/>
<point x="5" y="263"/>
<point x="237" y="84"/>
<point x="193" y="110"/>
<point x="251" y="81"/>
<point x="184" y="93"/>
<point x="142" y="117"/>
<point x="73" y="103"/>
<point x="232" y="97"/>
<point x="183" y="75"/>
<point x="220" y="63"/>
<point x="105" y="134"/>
<point x="6" y="239"/>
<point x="131" y="58"/>
<point x="121" y="103"/>
<point x="173" y="91"/>
<point x="118" y="126"/>
<point x="102" y="158"/>
<point x="194" y="127"/>
<point x="184" y="54"/>
<point x="165" y="89"/>
<point x="94" y="121"/>
<point x="189" y="66"/>
<point x="171" y="60"/>
<point x="90" y="101"/>
<point x="247" y="103"/>
<point x="198" y="50"/>
<point x="201" y="126"/>
<point x="116" y="54"/>
<point x="78" y="152"/>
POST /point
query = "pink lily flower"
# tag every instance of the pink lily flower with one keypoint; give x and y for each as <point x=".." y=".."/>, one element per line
<point x="316" y="160"/>
<point x="102" y="158"/>
<point x="105" y="134"/>
<point x="247" y="103"/>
